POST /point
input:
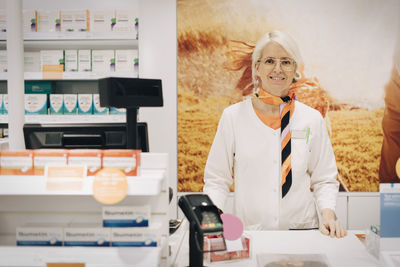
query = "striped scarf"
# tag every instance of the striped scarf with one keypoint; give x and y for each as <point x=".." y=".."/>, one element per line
<point x="285" y="104"/>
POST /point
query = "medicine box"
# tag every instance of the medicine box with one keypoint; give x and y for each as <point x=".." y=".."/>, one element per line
<point x="5" y="104"/>
<point x="103" y="61"/>
<point x="48" y="21"/>
<point x="35" y="103"/>
<point x="126" y="21"/>
<point x="70" y="104"/>
<point x="91" y="158"/>
<point x="102" y="20"/>
<point x="29" y="20"/>
<point x="87" y="235"/>
<point x="125" y="60"/>
<point x="135" y="237"/>
<point x="85" y="104"/>
<point x="39" y="235"/>
<point x="126" y="160"/>
<point x="56" y="104"/>
<point x="84" y="60"/>
<point x="71" y="60"/>
<point x="16" y="162"/>
<point x="74" y="20"/>
<point x="3" y="61"/>
<point x="50" y="157"/>
<point x="32" y="62"/>
<point x="126" y="216"/>
<point x="3" y="20"/>
<point x="117" y="111"/>
<point x="51" y="57"/>
<point x="97" y="109"/>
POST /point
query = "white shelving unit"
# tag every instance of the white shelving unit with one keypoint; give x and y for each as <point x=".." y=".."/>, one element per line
<point x="68" y="119"/>
<point x="25" y="200"/>
<point x="78" y="40"/>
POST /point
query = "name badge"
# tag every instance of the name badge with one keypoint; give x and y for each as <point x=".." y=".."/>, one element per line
<point x="301" y="134"/>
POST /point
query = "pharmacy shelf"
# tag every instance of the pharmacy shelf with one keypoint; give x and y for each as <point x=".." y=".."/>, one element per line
<point x="72" y="76"/>
<point x="149" y="183"/>
<point x="78" y="40"/>
<point x="70" y="119"/>
<point x="90" y="256"/>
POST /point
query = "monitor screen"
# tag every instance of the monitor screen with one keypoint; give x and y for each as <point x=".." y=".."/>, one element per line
<point x="92" y="136"/>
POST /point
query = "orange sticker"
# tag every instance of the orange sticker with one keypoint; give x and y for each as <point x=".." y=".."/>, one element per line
<point x="110" y="186"/>
<point x="398" y="168"/>
<point x="51" y="72"/>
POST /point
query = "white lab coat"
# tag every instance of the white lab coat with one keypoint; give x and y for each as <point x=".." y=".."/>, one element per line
<point x="244" y="147"/>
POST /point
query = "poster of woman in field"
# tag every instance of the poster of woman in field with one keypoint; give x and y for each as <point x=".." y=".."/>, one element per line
<point x="347" y="50"/>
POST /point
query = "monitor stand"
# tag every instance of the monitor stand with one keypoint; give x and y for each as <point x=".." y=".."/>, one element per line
<point x="131" y="128"/>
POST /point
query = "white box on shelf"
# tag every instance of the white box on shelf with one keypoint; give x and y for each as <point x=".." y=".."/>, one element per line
<point x="3" y="20"/>
<point x="35" y="103"/>
<point x="70" y="104"/>
<point x="29" y="20"/>
<point x="56" y="104"/>
<point x="101" y="20"/>
<point x="84" y="60"/>
<point x="71" y="60"/>
<point x="32" y="62"/>
<point x="48" y="21"/>
<point x="1" y="103"/>
<point x="74" y="20"/>
<point x="3" y="61"/>
<point x="126" y="20"/>
<point x="92" y="235"/>
<point x="5" y="104"/>
<point x="117" y="111"/>
<point x="40" y="235"/>
<point x="51" y="57"/>
<point x="126" y="216"/>
<point x="97" y="109"/>
<point x="103" y="61"/>
<point x="85" y="104"/>
<point x="125" y="60"/>
<point x="136" y="237"/>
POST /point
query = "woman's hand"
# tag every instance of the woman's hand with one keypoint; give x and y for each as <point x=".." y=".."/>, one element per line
<point x="330" y="226"/>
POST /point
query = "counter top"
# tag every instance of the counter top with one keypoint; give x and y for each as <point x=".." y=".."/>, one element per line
<point x="347" y="251"/>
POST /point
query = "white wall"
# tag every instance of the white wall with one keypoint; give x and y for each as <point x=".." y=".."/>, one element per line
<point x="158" y="59"/>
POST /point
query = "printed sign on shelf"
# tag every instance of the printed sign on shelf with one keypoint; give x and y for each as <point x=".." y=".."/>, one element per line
<point x="64" y="178"/>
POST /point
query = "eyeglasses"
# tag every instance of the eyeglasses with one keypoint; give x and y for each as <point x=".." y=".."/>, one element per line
<point x="287" y="64"/>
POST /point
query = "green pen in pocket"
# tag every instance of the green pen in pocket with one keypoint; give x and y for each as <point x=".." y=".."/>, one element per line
<point x="307" y="134"/>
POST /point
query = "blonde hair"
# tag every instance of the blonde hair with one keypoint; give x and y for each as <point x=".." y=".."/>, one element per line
<point x="283" y="39"/>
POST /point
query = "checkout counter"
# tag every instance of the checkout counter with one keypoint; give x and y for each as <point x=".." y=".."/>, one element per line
<point x="265" y="246"/>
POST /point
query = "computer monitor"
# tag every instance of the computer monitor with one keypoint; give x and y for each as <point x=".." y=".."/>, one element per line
<point x="90" y="136"/>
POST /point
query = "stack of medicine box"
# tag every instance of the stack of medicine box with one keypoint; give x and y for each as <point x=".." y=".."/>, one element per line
<point x="130" y="226"/>
<point x="123" y="226"/>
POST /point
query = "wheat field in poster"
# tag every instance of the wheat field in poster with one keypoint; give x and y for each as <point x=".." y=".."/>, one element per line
<point x="347" y="49"/>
